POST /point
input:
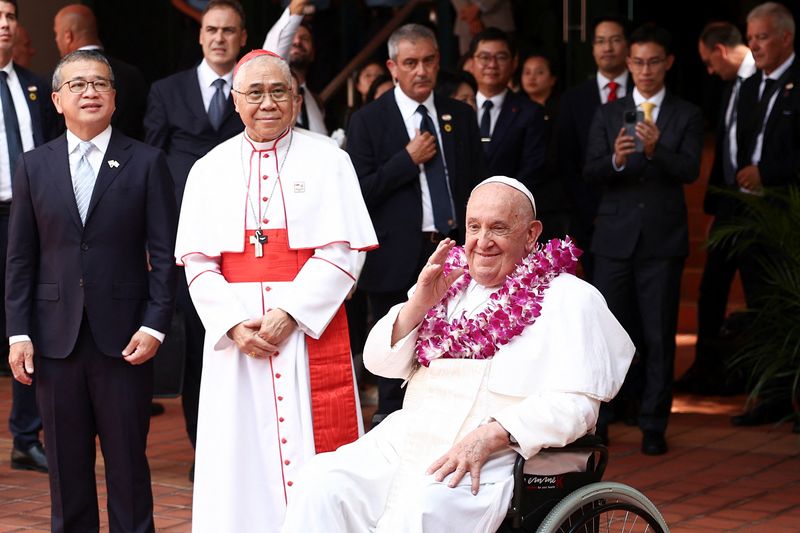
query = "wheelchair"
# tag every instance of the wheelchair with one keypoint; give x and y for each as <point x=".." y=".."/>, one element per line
<point x="579" y="502"/>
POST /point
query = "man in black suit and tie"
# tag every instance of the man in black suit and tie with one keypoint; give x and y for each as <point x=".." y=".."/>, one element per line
<point x="511" y="126"/>
<point x="417" y="156"/>
<point x="75" y="28"/>
<point x="576" y="110"/>
<point x="90" y="287"/>
<point x="768" y="136"/>
<point x="641" y="236"/>
<point x="28" y="120"/>
<point x="724" y="53"/>
<point x="188" y="114"/>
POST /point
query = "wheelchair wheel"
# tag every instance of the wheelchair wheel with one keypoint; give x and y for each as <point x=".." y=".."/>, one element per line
<point x="604" y="507"/>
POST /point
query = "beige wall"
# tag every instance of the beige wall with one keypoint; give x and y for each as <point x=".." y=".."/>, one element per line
<point x="37" y="17"/>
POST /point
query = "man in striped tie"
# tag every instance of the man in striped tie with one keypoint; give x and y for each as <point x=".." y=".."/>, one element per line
<point x="90" y="289"/>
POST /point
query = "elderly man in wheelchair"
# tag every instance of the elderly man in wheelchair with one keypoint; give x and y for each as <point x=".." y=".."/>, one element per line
<point x="505" y="353"/>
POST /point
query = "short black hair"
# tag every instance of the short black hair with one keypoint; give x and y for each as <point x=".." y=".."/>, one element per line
<point x="230" y="4"/>
<point x="723" y="33"/>
<point x="448" y="81"/>
<point x="492" y="34"/>
<point x="651" y="33"/>
<point x="377" y="82"/>
<point x="619" y="20"/>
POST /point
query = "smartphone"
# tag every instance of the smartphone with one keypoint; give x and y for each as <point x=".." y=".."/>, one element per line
<point x="630" y="119"/>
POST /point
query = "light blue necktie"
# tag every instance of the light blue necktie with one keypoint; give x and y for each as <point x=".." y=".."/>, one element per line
<point x="83" y="179"/>
<point x="216" y="109"/>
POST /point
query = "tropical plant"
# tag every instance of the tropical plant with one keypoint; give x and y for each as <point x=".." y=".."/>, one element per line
<point x="769" y="226"/>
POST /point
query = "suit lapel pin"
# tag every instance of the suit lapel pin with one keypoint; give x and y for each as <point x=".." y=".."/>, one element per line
<point x="447" y="117"/>
<point x="32" y="90"/>
<point x="113" y="163"/>
<point x="448" y="128"/>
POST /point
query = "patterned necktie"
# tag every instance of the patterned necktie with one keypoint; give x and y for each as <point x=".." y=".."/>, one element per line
<point x="13" y="137"/>
<point x="216" y="109"/>
<point x="648" y="107"/>
<point x="612" y="90"/>
<point x="437" y="181"/>
<point x="486" y="122"/>
<point x="83" y="178"/>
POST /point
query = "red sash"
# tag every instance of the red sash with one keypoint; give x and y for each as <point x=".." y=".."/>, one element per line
<point x="333" y="401"/>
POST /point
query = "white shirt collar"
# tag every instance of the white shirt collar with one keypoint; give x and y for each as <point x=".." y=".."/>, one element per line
<point x="9" y="69"/>
<point x="748" y="66"/>
<point x="657" y="98"/>
<point x="778" y="72"/>
<point x="91" y="47"/>
<point x="100" y="141"/>
<point x="207" y="76"/>
<point x="408" y="106"/>
<point x="621" y="80"/>
<point x="497" y="100"/>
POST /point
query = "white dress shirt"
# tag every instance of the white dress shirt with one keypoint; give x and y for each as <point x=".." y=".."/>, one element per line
<point x="18" y="95"/>
<point x="206" y="76"/>
<point x="602" y="86"/>
<point x="746" y="69"/>
<point x="412" y="120"/>
<point x="497" y="104"/>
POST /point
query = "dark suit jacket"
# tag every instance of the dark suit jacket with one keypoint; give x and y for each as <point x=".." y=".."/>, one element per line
<point x="780" y="153"/>
<point x="576" y="110"/>
<point x="716" y="179"/>
<point x="57" y="268"/>
<point x="131" y="98"/>
<point x="389" y="181"/>
<point x="642" y="209"/>
<point x="177" y="122"/>
<point x="519" y="142"/>
<point x="44" y="119"/>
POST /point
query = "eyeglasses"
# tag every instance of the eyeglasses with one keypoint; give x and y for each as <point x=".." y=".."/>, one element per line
<point x="100" y="85"/>
<point x="615" y="40"/>
<point x="639" y="64"/>
<point x="485" y="58"/>
<point x="256" y="96"/>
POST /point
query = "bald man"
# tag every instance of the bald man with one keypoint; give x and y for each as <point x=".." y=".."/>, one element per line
<point x="75" y="28"/>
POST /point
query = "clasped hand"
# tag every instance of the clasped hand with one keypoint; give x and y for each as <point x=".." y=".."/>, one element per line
<point x="260" y="337"/>
<point x="422" y="147"/>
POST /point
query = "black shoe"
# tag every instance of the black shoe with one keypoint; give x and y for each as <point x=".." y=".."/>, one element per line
<point x="763" y="413"/>
<point x="31" y="459"/>
<point x="602" y="433"/>
<point x="653" y="443"/>
<point x="156" y="409"/>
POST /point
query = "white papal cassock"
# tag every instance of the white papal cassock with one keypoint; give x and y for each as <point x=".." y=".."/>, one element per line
<point x="544" y="387"/>
<point x="255" y="424"/>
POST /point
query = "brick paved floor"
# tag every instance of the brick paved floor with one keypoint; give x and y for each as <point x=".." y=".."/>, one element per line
<point x="715" y="477"/>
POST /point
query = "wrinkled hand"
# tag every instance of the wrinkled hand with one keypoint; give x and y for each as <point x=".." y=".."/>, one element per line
<point x="297" y="7"/>
<point x="749" y="178"/>
<point x="421" y="148"/>
<point x="624" y="146"/>
<point x="141" y="348"/>
<point x="432" y="285"/>
<point x="245" y="335"/>
<point x="469" y="455"/>
<point x="649" y="134"/>
<point x="20" y="359"/>
<point x="276" y="325"/>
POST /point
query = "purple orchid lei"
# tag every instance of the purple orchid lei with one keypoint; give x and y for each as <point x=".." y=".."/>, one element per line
<point x="513" y="307"/>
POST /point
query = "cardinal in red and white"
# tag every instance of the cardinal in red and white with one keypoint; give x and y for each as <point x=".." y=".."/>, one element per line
<point x="270" y="232"/>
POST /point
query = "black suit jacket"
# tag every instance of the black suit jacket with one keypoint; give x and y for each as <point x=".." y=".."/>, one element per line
<point x="389" y="180"/>
<point x="780" y="152"/>
<point x="716" y="179"/>
<point x="642" y="210"/>
<point x="519" y="141"/>
<point x="131" y="98"/>
<point x="576" y="111"/>
<point x="177" y="122"/>
<point x="44" y="119"/>
<point x="57" y="268"/>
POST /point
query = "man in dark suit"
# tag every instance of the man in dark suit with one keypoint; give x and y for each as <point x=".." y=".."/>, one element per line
<point x="576" y="110"/>
<point x="75" y="28"/>
<point x="724" y="53"/>
<point x="90" y="287"/>
<point x="188" y="114"/>
<point x="417" y="157"/>
<point x="29" y="120"/>
<point x="511" y="126"/>
<point x="768" y="136"/>
<point x="641" y="236"/>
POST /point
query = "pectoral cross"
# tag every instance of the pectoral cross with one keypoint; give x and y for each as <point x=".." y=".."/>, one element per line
<point x="258" y="240"/>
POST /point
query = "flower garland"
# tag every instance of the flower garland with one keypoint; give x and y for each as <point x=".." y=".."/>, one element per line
<point x="513" y="307"/>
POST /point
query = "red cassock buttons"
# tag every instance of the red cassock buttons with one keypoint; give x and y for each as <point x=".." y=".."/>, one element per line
<point x="280" y="398"/>
<point x="267" y="289"/>
<point x="283" y="441"/>
<point x="264" y="177"/>
<point x="277" y="376"/>
<point x="280" y="419"/>
<point x="264" y="198"/>
<point x="289" y="483"/>
<point x="287" y="462"/>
